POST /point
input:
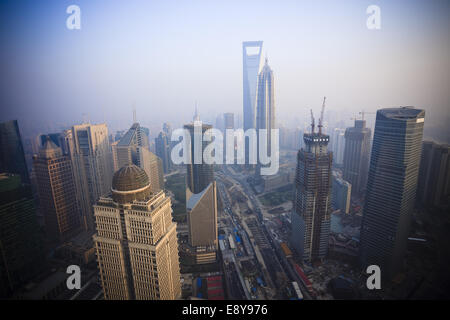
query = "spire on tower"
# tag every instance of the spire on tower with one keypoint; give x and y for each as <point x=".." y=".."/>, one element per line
<point x="196" y="116"/>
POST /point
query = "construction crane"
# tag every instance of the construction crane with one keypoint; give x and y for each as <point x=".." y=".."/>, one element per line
<point x="321" y="115"/>
<point x="312" y="121"/>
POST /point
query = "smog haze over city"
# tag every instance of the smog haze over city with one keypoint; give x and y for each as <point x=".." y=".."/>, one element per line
<point x="164" y="56"/>
<point x="249" y="155"/>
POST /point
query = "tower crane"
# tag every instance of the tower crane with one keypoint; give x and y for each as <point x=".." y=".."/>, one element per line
<point x="321" y="115"/>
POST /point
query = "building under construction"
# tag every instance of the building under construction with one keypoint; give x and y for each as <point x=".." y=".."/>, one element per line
<point x="312" y="203"/>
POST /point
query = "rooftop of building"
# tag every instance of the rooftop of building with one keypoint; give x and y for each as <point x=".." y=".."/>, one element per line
<point x="401" y="113"/>
<point x="130" y="178"/>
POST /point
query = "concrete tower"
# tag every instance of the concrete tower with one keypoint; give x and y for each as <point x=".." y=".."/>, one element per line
<point x="136" y="240"/>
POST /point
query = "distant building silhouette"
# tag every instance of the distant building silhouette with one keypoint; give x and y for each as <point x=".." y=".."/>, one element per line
<point x="12" y="158"/>
<point x="391" y="187"/>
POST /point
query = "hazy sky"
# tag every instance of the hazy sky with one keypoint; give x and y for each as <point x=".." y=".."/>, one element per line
<point x="165" y="55"/>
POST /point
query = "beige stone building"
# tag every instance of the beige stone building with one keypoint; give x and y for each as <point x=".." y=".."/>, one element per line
<point x="136" y="240"/>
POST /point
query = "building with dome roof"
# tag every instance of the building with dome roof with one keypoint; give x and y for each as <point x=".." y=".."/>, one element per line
<point x="136" y="240"/>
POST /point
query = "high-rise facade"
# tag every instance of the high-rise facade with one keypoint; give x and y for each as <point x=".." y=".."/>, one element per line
<point x="12" y="158"/>
<point x="57" y="192"/>
<point x="136" y="240"/>
<point x="162" y="149"/>
<point x="391" y="187"/>
<point x="356" y="156"/>
<point x="92" y="166"/>
<point x="201" y="198"/>
<point x="199" y="175"/>
<point x="338" y="145"/>
<point x="21" y="241"/>
<point x="434" y="174"/>
<point x="133" y="148"/>
<point x="340" y="194"/>
<point x="228" y="120"/>
<point x="312" y="202"/>
<point x="265" y="108"/>
<point x="252" y="64"/>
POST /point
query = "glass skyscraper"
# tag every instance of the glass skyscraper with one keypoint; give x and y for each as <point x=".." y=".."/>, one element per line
<point x="391" y="187"/>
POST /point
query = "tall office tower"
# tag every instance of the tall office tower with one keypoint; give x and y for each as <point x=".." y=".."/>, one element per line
<point x="356" y="156"/>
<point x="433" y="188"/>
<point x="57" y="192"/>
<point x="92" y="166"/>
<point x="12" y="157"/>
<point x="391" y="187"/>
<point x="265" y="108"/>
<point x="228" y="120"/>
<point x="340" y="194"/>
<point x="252" y="64"/>
<point x="201" y="199"/>
<point x="312" y="202"/>
<point x="200" y="175"/>
<point x="21" y="243"/>
<point x="132" y="148"/>
<point x="162" y="149"/>
<point x="136" y="240"/>
<point x="338" y="144"/>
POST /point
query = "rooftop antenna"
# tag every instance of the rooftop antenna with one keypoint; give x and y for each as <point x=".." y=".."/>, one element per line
<point x="196" y="116"/>
<point x="134" y="112"/>
<point x="321" y="116"/>
<point x="312" y="122"/>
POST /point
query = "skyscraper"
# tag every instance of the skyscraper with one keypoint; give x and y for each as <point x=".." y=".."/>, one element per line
<point x="228" y="120"/>
<point x="136" y="240"/>
<point x="201" y="199"/>
<point x="200" y="175"/>
<point x="391" y="187"/>
<point x="57" y="192"/>
<point x="312" y="202"/>
<point x="21" y="242"/>
<point x="162" y="149"/>
<point x="12" y="158"/>
<point x="338" y="145"/>
<point x="133" y="148"/>
<point x="252" y="64"/>
<point x="356" y="156"/>
<point x="251" y="51"/>
<point x="92" y="165"/>
<point x="265" y="110"/>
<point x="340" y="194"/>
<point x="434" y="174"/>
